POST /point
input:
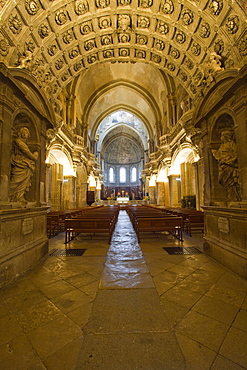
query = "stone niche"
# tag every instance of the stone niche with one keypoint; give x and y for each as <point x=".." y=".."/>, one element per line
<point x="225" y="237"/>
<point x="23" y="241"/>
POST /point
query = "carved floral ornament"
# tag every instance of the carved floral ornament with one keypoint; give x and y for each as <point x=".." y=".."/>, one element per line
<point x="52" y="49"/>
<point x="242" y="46"/>
<point x="167" y="6"/>
<point x="86" y="28"/>
<point x="219" y="46"/>
<point x="232" y="24"/>
<point x="215" y="6"/>
<point x="124" y="37"/>
<point x="143" y="22"/>
<point x="141" y="54"/>
<point x="108" y="54"/>
<point x="124" y="2"/>
<point x="68" y="36"/>
<point x="43" y="30"/>
<point x="187" y="17"/>
<point x="81" y="7"/>
<point x="104" y="22"/>
<point x="15" y="24"/>
<point x="159" y="44"/>
<point x="175" y="53"/>
<point x="73" y="53"/>
<point x="124" y="22"/>
<point x="92" y="58"/>
<point x="180" y="36"/>
<point x="61" y="17"/>
<point x="145" y="3"/>
<point x="32" y="6"/>
<point x="89" y="45"/>
<point x="204" y="30"/>
<point x="4" y="46"/>
<point x="102" y="3"/>
<point x="195" y="48"/>
<point x="141" y="39"/>
<point x="162" y="27"/>
<point x="106" y="40"/>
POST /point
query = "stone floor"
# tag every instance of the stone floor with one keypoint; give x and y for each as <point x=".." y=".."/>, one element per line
<point x="125" y="306"/>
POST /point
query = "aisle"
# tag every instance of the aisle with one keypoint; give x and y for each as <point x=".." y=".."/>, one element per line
<point x="128" y="328"/>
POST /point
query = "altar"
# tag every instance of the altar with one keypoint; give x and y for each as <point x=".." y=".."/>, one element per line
<point x="123" y="199"/>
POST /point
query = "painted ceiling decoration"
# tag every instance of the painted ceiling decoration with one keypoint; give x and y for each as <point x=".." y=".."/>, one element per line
<point x="56" y="40"/>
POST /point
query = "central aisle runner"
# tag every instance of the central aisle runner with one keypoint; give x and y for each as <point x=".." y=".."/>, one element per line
<point x="128" y="328"/>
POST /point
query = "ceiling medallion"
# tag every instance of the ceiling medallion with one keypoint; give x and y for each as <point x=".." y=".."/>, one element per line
<point x="86" y="28"/>
<point x="167" y="6"/>
<point x="124" y="22"/>
<point x="4" y="46"/>
<point x="124" y="2"/>
<point x="162" y="27"/>
<point x="43" y="30"/>
<point x="145" y="3"/>
<point x="32" y="6"/>
<point x="232" y="24"/>
<point x="141" y="54"/>
<point x="61" y="17"/>
<point x="180" y="36"/>
<point x="123" y="38"/>
<point x="78" y="66"/>
<point x="143" y="22"/>
<point x="106" y="40"/>
<point x="141" y="39"/>
<point x="124" y="52"/>
<point x="89" y="45"/>
<point x="216" y="6"/>
<point x="204" y="30"/>
<point x="92" y="58"/>
<point x="68" y="37"/>
<point x="102" y="3"/>
<point x="15" y="24"/>
<point x="158" y="44"/>
<point x="187" y="17"/>
<point x="81" y="7"/>
<point x="108" y="54"/>
<point x="219" y="47"/>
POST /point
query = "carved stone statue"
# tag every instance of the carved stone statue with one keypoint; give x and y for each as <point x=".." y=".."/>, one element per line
<point x="22" y="167"/>
<point x="227" y="158"/>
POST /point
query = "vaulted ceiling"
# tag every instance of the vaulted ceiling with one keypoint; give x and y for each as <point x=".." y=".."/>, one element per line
<point x="58" y="40"/>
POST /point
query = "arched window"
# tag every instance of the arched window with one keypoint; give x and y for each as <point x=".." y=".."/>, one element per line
<point x="111" y="175"/>
<point x="122" y="174"/>
<point x="133" y="174"/>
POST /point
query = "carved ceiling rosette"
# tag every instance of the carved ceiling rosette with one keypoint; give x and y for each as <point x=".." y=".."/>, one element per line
<point x="15" y="24"/>
<point x="232" y="24"/>
<point x="219" y="46"/>
<point x="167" y="6"/>
<point x="86" y="28"/>
<point x="187" y="16"/>
<point x="180" y="36"/>
<point x="68" y="37"/>
<point x="104" y="22"/>
<point x="108" y="53"/>
<point x="89" y="45"/>
<point x="124" y="2"/>
<point x="158" y="44"/>
<point x="81" y="7"/>
<point x="102" y="3"/>
<point x="124" y="37"/>
<point x="78" y="66"/>
<point x="143" y="22"/>
<point x="215" y="6"/>
<point x="52" y="49"/>
<point x="106" y="40"/>
<point x="4" y="46"/>
<point x="141" y="39"/>
<point x="61" y="17"/>
<point x="162" y="27"/>
<point x="124" y="52"/>
<point x="204" y="30"/>
<point x="43" y="30"/>
<point x="124" y="22"/>
<point x="92" y="58"/>
<point x="32" y="6"/>
<point x="145" y="3"/>
<point x="242" y="45"/>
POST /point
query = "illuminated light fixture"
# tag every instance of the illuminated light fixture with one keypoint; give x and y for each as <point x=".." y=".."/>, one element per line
<point x="162" y="177"/>
<point x="98" y="186"/>
<point x="92" y="182"/>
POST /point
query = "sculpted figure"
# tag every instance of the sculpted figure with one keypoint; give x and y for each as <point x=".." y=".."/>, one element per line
<point x="22" y="167"/>
<point x="226" y="156"/>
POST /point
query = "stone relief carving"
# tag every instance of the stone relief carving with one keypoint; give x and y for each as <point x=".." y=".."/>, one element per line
<point x="32" y="6"/>
<point x="232" y="24"/>
<point x="167" y="7"/>
<point x="183" y="76"/>
<point x="145" y="3"/>
<point x="4" y="46"/>
<point x="227" y="159"/>
<point x="204" y="30"/>
<point x="81" y="7"/>
<point x="68" y="36"/>
<point x="187" y="16"/>
<point x="22" y="167"/>
<point x="170" y="66"/>
<point x="78" y="65"/>
<point x="162" y="27"/>
<point x="92" y="58"/>
<point x="195" y="48"/>
<point x="61" y="17"/>
<point x="86" y="28"/>
<point x="188" y="63"/>
<point x="124" y="37"/>
<point x="66" y="75"/>
<point x="43" y="30"/>
<point x="124" y="22"/>
<point x="124" y="2"/>
<point x="102" y="3"/>
<point x="124" y="52"/>
<point x="180" y="36"/>
<point x="143" y="22"/>
<point x="15" y="24"/>
<point x="219" y="47"/>
<point x="175" y="53"/>
<point x="74" y="53"/>
<point x="215" y="6"/>
<point x="155" y="58"/>
<point x="25" y="59"/>
<point x="104" y="22"/>
<point x="141" y="54"/>
<point x="106" y="40"/>
<point x="52" y="49"/>
<point x="108" y="54"/>
<point x="89" y="45"/>
<point x="141" y="39"/>
<point x="242" y="46"/>
<point x="59" y="64"/>
<point x="158" y="44"/>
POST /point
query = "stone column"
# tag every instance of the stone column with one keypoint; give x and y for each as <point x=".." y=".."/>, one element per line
<point x="160" y="193"/>
<point x="69" y="192"/>
<point x="152" y="194"/>
<point x="175" y="190"/>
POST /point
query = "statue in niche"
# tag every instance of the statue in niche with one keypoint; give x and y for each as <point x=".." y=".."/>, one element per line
<point x="227" y="159"/>
<point x="22" y="167"/>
